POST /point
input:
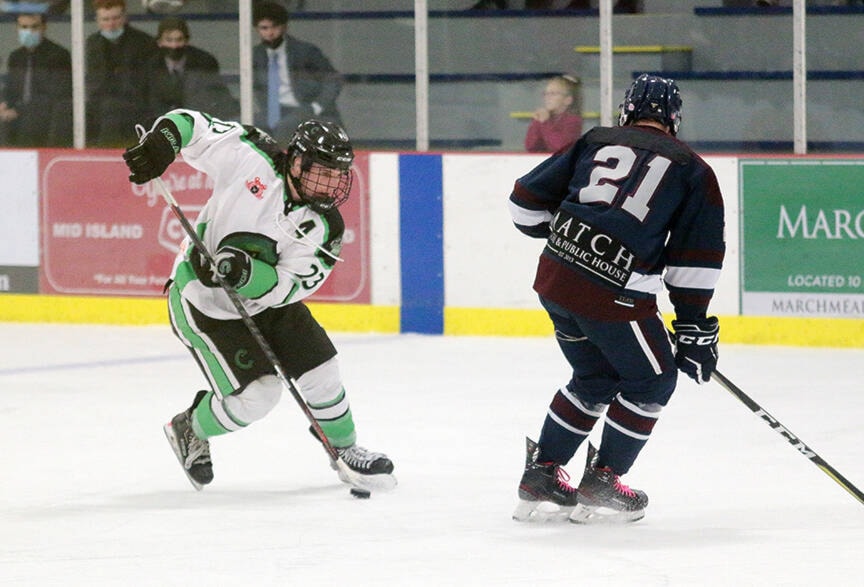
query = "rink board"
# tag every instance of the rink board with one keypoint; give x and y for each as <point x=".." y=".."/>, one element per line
<point x="433" y="249"/>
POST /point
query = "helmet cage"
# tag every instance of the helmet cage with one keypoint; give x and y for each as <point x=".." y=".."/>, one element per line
<point x="322" y="148"/>
<point x="654" y="98"/>
<point x="319" y="188"/>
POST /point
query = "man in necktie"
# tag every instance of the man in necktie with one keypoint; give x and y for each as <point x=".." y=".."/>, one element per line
<point x="293" y="80"/>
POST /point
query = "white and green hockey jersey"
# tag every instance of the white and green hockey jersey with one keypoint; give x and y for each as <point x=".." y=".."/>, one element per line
<point x="293" y="247"/>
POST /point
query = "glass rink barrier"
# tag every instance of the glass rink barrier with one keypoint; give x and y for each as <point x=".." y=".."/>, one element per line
<point x="755" y="77"/>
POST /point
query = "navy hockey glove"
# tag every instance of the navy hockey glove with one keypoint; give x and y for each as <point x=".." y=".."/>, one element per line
<point x="233" y="265"/>
<point x="156" y="151"/>
<point x="696" y="347"/>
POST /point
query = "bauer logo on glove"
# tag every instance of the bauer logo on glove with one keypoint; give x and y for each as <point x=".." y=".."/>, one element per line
<point x="151" y="157"/>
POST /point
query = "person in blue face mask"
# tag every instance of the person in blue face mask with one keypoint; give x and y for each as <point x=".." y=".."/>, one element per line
<point x="115" y="82"/>
<point x="36" y="110"/>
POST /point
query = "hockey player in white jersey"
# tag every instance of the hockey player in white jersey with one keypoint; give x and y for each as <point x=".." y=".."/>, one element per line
<point x="275" y="233"/>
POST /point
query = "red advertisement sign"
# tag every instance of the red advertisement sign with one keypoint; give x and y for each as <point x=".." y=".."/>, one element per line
<point x="102" y="235"/>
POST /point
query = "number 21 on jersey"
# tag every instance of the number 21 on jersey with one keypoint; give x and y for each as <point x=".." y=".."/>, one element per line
<point x="615" y="164"/>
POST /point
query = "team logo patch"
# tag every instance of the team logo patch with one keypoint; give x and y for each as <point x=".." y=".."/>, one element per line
<point x="242" y="360"/>
<point x="256" y="188"/>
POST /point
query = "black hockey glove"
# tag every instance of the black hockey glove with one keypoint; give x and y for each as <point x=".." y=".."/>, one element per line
<point x="233" y="265"/>
<point x="696" y="347"/>
<point x="156" y="151"/>
<point x="202" y="268"/>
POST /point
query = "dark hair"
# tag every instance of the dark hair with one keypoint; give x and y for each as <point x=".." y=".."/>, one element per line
<point x="97" y="4"/>
<point x="269" y="11"/>
<point x="173" y="23"/>
<point x="40" y="15"/>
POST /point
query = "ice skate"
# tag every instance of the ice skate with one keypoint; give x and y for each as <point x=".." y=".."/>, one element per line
<point x="363" y="468"/>
<point x="604" y="499"/>
<point x="367" y="469"/>
<point x="192" y="452"/>
<point x="544" y="491"/>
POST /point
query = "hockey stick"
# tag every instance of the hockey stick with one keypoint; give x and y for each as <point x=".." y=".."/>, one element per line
<point x="287" y="382"/>
<point x="787" y="434"/>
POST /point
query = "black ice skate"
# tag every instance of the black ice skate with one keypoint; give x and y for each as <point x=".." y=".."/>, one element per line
<point x="604" y="499"/>
<point x="192" y="452"/>
<point x="371" y="470"/>
<point x="363" y="468"/>
<point x="544" y="491"/>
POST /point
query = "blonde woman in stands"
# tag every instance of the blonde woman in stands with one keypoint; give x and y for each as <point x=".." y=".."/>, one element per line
<point x="559" y="121"/>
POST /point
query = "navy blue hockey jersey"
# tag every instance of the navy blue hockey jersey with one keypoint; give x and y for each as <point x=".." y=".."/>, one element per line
<point x="624" y="210"/>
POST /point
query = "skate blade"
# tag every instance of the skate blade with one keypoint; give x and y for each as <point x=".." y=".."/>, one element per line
<point x="175" y="446"/>
<point x="587" y="514"/>
<point x="382" y="482"/>
<point x="540" y="512"/>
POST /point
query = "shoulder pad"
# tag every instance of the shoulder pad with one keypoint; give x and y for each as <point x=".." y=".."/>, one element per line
<point x="663" y="144"/>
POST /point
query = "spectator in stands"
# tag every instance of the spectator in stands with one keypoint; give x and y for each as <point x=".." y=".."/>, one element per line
<point x="620" y="7"/>
<point x="293" y="80"/>
<point x="116" y="81"/>
<point x="183" y="76"/>
<point x="559" y="121"/>
<point x="37" y="109"/>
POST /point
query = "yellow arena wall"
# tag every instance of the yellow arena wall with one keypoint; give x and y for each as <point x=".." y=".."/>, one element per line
<point x="819" y="332"/>
<point x="152" y="311"/>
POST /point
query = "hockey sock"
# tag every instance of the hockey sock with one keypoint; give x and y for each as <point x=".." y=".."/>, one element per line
<point x="204" y="421"/>
<point x="626" y="430"/>
<point x="568" y="422"/>
<point x="336" y="420"/>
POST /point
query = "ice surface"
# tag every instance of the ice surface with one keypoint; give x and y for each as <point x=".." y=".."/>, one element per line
<point x="90" y="493"/>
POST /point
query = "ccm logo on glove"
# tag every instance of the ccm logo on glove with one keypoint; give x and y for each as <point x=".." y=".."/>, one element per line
<point x="696" y="347"/>
<point x="698" y="340"/>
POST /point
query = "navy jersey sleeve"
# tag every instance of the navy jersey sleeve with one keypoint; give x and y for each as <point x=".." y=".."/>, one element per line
<point x="696" y="247"/>
<point x="538" y="194"/>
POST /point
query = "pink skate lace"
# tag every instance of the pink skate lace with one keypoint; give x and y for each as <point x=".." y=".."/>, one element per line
<point x="621" y="488"/>
<point x="563" y="481"/>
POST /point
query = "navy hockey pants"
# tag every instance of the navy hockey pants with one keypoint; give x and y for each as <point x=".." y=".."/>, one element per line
<point x="626" y="369"/>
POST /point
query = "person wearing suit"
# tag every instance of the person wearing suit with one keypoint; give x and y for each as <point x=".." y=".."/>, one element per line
<point x="37" y="109"/>
<point x="183" y="76"/>
<point x="115" y="87"/>
<point x="307" y="85"/>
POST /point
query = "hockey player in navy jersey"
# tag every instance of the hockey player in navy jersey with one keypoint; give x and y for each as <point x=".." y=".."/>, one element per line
<point x="625" y="211"/>
<point x="273" y="226"/>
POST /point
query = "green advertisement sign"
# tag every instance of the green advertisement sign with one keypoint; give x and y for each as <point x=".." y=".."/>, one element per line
<point x="802" y="237"/>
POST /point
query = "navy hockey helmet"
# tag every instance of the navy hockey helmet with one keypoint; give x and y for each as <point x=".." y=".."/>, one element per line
<point x="654" y="98"/>
<point x="325" y="144"/>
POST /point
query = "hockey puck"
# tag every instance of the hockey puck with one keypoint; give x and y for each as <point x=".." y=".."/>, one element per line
<point x="360" y="493"/>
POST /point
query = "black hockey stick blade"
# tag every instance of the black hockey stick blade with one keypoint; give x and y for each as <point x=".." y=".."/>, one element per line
<point x="788" y="435"/>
